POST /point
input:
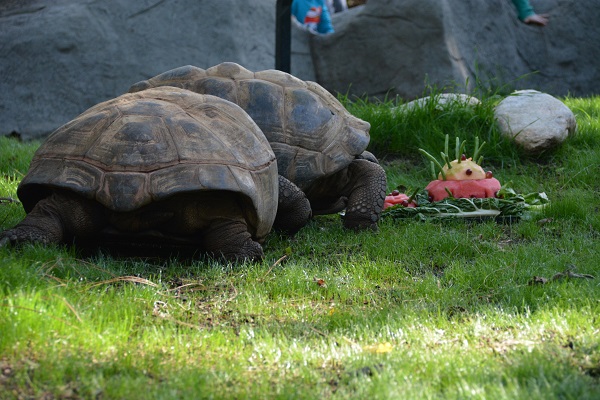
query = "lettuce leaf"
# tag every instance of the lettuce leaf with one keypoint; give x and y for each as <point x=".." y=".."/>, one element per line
<point x="508" y="204"/>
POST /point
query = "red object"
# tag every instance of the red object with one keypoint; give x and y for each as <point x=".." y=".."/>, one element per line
<point x="401" y="198"/>
<point x="313" y="16"/>
<point x="480" y="188"/>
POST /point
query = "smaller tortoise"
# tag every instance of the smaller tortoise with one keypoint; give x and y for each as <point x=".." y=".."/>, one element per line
<point x="319" y="145"/>
<point x="165" y="165"/>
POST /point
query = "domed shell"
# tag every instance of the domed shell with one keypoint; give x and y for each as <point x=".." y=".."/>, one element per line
<point x="144" y="147"/>
<point x="310" y="131"/>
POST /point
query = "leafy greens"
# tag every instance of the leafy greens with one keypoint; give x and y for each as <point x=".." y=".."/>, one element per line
<point x="508" y="204"/>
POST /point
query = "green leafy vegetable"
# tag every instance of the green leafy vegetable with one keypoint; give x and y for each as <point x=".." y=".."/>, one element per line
<point x="507" y="204"/>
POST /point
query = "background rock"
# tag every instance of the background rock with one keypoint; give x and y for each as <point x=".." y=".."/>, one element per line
<point x="60" y="57"/>
<point x="442" y="101"/>
<point x="536" y="121"/>
<point x="301" y="58"/>
<point x="389" y="48"/>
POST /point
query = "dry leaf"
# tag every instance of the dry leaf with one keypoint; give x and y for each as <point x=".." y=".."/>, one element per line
<point x="320" y="282"/>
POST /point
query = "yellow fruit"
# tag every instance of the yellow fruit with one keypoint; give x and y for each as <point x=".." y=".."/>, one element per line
<point x="463" y="171"/>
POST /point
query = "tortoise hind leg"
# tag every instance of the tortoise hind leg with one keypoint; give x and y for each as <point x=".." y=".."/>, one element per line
<point x="218" y="219"/>
<point x="55" y="219"/>
<point x="230" y="240"/>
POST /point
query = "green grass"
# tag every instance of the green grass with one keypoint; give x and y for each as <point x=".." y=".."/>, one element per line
<point x="397" y="133"/>
<point x="416" y="310"/>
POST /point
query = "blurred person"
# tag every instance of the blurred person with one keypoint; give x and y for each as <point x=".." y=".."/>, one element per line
<point x="313" y="15"/>
<point x="527" y="15"/>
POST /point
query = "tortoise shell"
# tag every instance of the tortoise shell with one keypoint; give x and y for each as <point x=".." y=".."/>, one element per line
<point x="310" y="131"/>
<point x="145" y="147"/>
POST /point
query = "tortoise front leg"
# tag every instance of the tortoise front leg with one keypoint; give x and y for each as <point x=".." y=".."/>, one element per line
<point x="359" y="188"/>
<point x="365" y="189"/>
<point x="56" y="219"/>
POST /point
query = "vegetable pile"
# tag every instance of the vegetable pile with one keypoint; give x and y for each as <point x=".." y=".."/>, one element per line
<point x="462" y="189"/>
<point x="508" y="204"/>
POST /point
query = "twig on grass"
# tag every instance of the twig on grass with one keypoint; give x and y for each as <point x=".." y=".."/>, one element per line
<point x="187" y="285"/>
<point x="133" y="279"/>
<point x="317" y="331"/>
<point x="283" y="257"/>
<point x="566" y="274"/>
<point x="70" y="307"/>
<point x="235" y="294"/>
<point x="61" y="282"/>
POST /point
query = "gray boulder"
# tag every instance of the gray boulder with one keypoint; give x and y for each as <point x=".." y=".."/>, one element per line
<point x="536" y="121"/>
<point x="61" y="57"/>
<point x="443" y="101"/>
<point x="389" y="48"/>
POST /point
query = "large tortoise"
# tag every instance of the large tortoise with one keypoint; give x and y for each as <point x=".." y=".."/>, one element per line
<point x="164" y="165"/>
<point x="319" y="145"/>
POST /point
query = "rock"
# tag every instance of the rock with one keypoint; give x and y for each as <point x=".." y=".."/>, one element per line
<point x="442" y="101"/>
<point x="392" y="48"/>
<point x="301" y="58"/>
<point x="537" y="121"/>
<point x="61" y="57"/>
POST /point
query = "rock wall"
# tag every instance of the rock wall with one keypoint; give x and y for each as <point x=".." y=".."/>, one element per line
<point x="390" y="47"/>
<point x="60" y="57"/>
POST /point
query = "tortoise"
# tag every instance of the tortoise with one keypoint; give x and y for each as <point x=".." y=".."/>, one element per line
<point x="319" y="145"/>
<point x="164" y="165"/>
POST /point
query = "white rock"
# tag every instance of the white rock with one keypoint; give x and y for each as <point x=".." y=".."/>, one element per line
<point x="535" y="120"/>
<point x="442" y="101"/>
